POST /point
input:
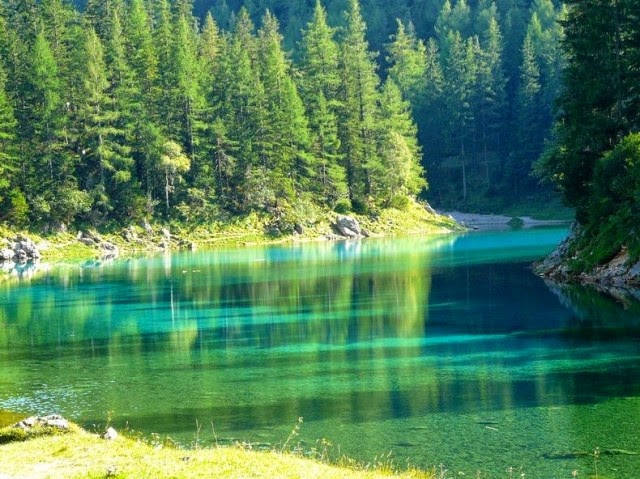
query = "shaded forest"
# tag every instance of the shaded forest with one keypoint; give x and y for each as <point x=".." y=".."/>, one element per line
<point x="125" y="110"/>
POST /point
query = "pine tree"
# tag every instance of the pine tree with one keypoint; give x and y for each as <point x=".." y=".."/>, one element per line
<point x="8" y="159"/>
<point x="52" y="185"/>
<point x="239" y="106"/>
<point x="490" y="97"/>
<point x="106" y="162"/>
<point x="143" y="62"/>
<point x="401" y="175"/>
<point x="284" y="137"/>
<point x="319" y="84"/>
<point x="460" y="78"/>
<point x="408" y="64"/>
<point x="359" y="99"/>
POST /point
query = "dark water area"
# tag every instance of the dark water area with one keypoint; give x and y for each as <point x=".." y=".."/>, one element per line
<point x="443" y="350"/>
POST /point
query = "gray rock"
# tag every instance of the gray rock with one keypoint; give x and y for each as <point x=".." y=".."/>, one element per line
<point x="166" y="233"/>
<point x="6" y="254"/>
<point x="130" y="235"/>
<point x="147" y="227"/>
<point x="298" y="228"/>
<point x="110" y="434"/>
<point x="348" y="226"/>
<point x="109" y="250"/>
<point x="87" y="241"/>
<point x="54" y="421"/>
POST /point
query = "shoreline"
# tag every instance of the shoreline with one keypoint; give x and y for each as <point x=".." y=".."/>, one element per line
<point x="89" y="245"/>
<point x="480" y="221"/>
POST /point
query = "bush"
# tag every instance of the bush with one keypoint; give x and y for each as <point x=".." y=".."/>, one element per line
<point x="399" y="202"/>
<point x="342" y="206"/>
<point x="18" y="208"/>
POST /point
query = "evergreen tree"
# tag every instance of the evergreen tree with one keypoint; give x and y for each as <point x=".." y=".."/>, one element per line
<point x="401" y="175"/>
<point x="460" y="77"/>
<point x="284" y="137"/>
<point x="8" y="159"/>
<point x="490" y="97"/>
<point x="52" y="186"/>
<point x="106" y="162"/>
<point x="408" y="64"/>
<point x="319" y="84"/>
<point x="359" y="98"/>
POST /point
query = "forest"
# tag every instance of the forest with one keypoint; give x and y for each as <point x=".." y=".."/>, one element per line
<point x="594" y="155"/>
<point x="115" y="111"/>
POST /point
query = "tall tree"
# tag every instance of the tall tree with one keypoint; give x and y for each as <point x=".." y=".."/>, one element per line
<point x="460" y="77"/>
<point x="359" y="98"/>
<point x="106" y="161"/>
<point x="319" y="84"/>
<point x="408" y="64"/>
<point x="401" y="175"/>
<point x="8" y="159"/>
<point x="284" y="137"/>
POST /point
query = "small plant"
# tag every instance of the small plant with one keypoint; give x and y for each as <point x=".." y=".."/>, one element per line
<point x="596" y="456"/>
<point x="295" y="432"/>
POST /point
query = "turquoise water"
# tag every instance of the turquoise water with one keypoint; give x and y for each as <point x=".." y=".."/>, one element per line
<point x="443" y="350"/>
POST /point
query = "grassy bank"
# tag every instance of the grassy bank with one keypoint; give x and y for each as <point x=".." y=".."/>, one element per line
<point x="415" y="219"/>
<point x="80" y="454"/>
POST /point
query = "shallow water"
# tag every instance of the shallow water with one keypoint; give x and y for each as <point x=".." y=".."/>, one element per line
<point x="442" y="350"/>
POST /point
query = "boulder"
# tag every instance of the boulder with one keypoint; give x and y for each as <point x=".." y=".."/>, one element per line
<point x="348" y="226"/>
<point x="110" y="434"/>
<point x="147" y="227"/>
<point x="26" y="248"/>
<point x="6" y="254"/>
<point x="298" y="228"/>
<point x="130" y="235"/>
<point x="109" y="250"/>
<point x="87" y="241"/>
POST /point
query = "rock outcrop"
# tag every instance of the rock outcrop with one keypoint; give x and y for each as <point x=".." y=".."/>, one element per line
<point x="54" y="421"/>
<point x="93" y="239"/>
<point x="348" y="227"/>
<point x="619" y="272"/>
<point x="20" y="250"/>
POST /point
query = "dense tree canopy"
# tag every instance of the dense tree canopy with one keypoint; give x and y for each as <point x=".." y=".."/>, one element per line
<point x="595" y="157"/>
<point x="130" y="109"/>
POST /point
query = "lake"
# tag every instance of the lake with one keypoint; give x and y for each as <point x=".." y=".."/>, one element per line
<point x="439" y="350"/>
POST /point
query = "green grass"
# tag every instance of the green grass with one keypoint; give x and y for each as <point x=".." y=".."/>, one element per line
<point x="79" y="454"/>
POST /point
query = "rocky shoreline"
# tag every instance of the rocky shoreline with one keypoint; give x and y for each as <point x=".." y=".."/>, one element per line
<point x="23" y="255"/>
<point x="619" y="273"/>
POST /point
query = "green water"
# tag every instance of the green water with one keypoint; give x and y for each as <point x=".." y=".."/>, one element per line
<point x="442" y="350"/>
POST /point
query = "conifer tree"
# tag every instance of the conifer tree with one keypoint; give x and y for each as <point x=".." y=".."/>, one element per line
<point x="407" y="59"/>
<point x="359" y="99"/>
<point x="106" y="162"/>
<point x="284" y="136"/>
<point x="490" y="94"/>
<point x="8" y="159"/>
<point x="401" y="175"/>
<point x="460" y="77"/>
<point x="319" y="84"/>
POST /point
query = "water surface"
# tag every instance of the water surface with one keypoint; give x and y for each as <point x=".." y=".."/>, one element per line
<point x="442" y="350"/>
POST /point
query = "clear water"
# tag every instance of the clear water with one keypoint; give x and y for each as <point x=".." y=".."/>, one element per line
<point x="442" y="350"/>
